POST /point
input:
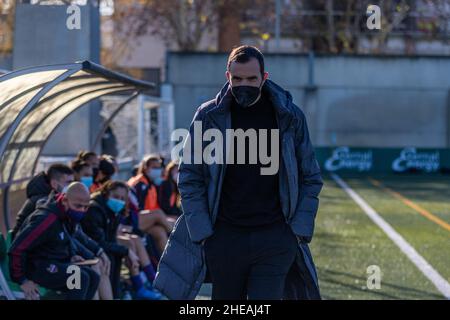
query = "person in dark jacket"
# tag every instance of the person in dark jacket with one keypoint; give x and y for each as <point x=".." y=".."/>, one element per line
<point x="56" y="178"/>
<point x="39" y="190"/>
<point x="82" y="172"/>
<point x="89" y="249"/>
<point x="91" y="158"/>
<point x="259" y="215"/>
<point x="168" y="194"/>
<point x="44" y="251"/>
<point x="101" y="224"/>
<point x="103" y="174"/>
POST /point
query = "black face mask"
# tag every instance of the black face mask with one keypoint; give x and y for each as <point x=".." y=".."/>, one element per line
<point x="245" y="95"/>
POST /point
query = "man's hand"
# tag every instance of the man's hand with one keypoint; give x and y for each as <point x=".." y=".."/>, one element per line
<point x="30" y="289"/>
<point x="304" y="239"/>
<point x="106" y="263"/>
<point x="76" y="259"/>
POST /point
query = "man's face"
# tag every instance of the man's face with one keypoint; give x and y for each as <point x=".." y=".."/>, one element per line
<point x="246" y="74"/>
<point x="59" y="184"/>
<point x="77" y="202"/>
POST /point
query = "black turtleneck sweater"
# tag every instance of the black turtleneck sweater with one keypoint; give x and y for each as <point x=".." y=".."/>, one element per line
<point x="249" y="198"/>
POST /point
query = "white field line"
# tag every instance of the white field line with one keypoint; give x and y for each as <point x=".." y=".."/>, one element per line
<point x="428" y="271"/>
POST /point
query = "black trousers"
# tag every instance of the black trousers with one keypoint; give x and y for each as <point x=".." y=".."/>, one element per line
<point x="249" y="263"/>
<point x="114" y="276"/>
<point x="54" y="275"/>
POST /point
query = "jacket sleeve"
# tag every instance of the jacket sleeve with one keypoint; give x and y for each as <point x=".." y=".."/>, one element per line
<point x="93" y="226"/>
<point x="28" y="208"/>
<point x="164" y="194"/>
<point x="310" y="180"/>
<point x="81" y="250"/>
<point x="35" y="231"/>
<point x="87" y="242"/>
<point x="140" y="190"/>
<point x="192" y="186"/>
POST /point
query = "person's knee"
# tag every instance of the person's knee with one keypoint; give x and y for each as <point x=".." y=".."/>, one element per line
<point x="160" y="216"/>
<point x="98" y="267"/>
<point x="79" y="288"/>
<point x="159" y="231"/>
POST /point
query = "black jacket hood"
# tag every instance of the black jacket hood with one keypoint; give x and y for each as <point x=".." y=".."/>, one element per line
<point x="38" y="186"/>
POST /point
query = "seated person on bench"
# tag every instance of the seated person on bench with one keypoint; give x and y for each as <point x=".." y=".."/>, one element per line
<point x="43" y="250"/>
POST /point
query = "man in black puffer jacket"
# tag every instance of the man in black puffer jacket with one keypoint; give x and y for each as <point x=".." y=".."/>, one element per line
<point x="40" y="187"/>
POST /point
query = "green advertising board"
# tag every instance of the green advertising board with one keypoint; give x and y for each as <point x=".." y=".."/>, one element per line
<point x="383" y="160"/>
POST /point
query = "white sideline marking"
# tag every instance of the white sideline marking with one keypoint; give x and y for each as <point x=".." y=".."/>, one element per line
<point x="428" y="271"/>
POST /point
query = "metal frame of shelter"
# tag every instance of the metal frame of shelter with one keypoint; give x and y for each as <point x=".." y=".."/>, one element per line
<point x="34" y="102"/>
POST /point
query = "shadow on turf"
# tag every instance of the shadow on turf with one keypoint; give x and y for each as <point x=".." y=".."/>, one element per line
<point x="416" y="187"/>
<point x="326" y="276"/>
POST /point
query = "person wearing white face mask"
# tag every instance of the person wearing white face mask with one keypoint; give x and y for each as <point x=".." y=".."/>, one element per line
<point x="152" y="220"/>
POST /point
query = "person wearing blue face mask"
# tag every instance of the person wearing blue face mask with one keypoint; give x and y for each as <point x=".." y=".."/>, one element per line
<point x="116" y="205"/>
<point x="42" y="187"/>
<point x="46" y="246"/>
<point x="106" y="208"/>
<point x="82" y="172"/>
<point x="145" y="185"/>
<point x="76" y="199"/>
<point x="132" y="237"/>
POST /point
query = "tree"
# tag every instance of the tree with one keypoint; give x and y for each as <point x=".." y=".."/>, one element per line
<point x="337" y="26"/>
<point x="182" y="23"/>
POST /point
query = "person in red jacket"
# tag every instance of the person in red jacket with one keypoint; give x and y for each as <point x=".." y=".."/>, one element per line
<point x="44" y="251"/>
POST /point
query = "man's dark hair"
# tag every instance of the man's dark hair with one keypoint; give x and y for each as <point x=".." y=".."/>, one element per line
<point x="78" y="164"/>
<point x="106" y="166"/>
<point x="243" y="54"/>
<point x="85" y="155"/>
<point x="145" y="163"/>
<point x="112" y="185"/>
<point x="56" y="170"/>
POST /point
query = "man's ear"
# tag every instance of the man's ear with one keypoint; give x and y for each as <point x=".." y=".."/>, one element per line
<point x="53" y="184"/>
<point x="64" y="202"/>
<point x="265" y="76"/>
<point x="228" y="75"/>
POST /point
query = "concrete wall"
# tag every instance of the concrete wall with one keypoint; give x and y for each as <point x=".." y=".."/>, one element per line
<point x="390" y="101"/>
<point x="42" y="38"/>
